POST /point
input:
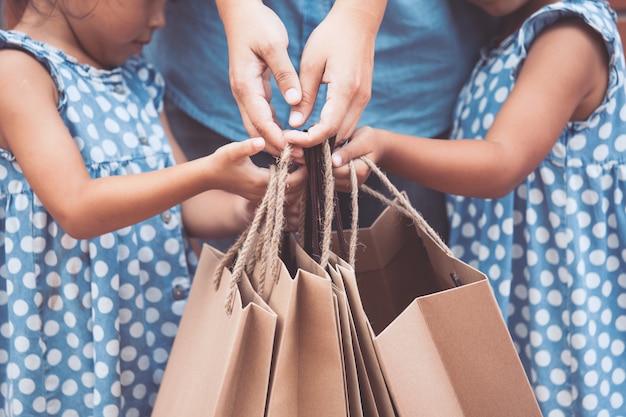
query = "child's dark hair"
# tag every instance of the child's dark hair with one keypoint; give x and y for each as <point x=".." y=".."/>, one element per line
<point x="17" y="7"/>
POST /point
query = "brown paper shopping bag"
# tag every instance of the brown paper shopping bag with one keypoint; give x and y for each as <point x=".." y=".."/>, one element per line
<point x="220" y="362"/>
<point x="375" y="396"/>
<point x="296" y="257"/>
<point x="439" y="336"/>
<point x="308" y="376"/>
<point x="366" y="391"/>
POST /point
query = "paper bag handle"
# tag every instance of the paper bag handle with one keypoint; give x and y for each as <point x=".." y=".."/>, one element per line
<point x="321" y="206"/>
<point x="401" y="203"/>
<point x="267" y="225"/>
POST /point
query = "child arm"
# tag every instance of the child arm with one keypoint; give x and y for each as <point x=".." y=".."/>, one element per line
<point x="31" y="128"/>
<point x="217" y="213"/>
<point x="213" y="213"/>
<point x="564" y="78"/>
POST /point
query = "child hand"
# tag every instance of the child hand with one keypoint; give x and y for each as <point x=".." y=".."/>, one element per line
<point x="296" y="182"/>
<point x="233" y="170"/>
<point x="362" y="143"/>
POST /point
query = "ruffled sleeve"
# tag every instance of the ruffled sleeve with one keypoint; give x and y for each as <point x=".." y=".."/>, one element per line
<point x="19" y="41"/>
<point x="597" y="15"/>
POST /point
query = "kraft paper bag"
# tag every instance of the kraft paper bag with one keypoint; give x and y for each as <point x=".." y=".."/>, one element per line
<point x="220" y="363"/>
<point x="439" y="336"/>
<point x="297" y="258"/>
<point x="375" y="396"/>
<point x="307" y="374"/>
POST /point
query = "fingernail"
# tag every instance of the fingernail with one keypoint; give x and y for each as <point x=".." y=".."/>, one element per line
<point x="292" y="96"/>
<point x="258" y="142"/>
<point x="295" y="118"/>
<point x="336" y="160"/>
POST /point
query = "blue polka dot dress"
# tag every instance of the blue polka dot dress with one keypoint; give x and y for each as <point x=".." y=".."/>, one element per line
<point x="86" y="325"/>
<point x="554" y="249"/>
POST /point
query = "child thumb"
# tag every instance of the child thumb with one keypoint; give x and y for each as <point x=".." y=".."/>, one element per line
<point x="249" y="147"/>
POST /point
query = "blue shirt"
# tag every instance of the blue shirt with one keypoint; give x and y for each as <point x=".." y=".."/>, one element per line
<point x="424" y="52"/>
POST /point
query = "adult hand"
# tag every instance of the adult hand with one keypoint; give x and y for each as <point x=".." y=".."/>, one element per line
<point x="339" y="53"/>
<point x="257" y="48"/>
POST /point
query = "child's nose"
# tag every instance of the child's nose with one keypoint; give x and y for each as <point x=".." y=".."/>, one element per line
<point x="157" y="20"/>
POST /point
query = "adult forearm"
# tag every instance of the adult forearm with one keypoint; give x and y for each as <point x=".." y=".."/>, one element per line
<point x="226" y="8"/>
<point x="367" y="13"/>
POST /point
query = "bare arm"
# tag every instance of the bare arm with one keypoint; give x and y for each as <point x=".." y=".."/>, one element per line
<point x="87" y="207"/>
<point x="564" y="78"/>
<point x="213" y="213"/>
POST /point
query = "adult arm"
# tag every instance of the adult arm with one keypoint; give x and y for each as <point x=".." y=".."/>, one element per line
<point x="339" y="53"/>
<point x="257" y="48"/>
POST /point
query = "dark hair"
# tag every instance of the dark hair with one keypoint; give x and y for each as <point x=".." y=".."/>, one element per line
<point x="17" y="7"/>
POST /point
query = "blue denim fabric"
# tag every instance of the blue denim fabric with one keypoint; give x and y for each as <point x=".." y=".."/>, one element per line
<point x="424" y="52"/>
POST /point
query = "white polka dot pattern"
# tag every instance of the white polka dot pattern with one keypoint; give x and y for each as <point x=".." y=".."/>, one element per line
<point x="553" y="248"/>
<point x="87" y="325"/>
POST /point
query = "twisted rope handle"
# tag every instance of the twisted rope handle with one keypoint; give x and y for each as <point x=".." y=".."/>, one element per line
<point x="267" y="225"/>
<point x="269" y="220"/>
<point x="354" y="225"/>
<point x="329" y="206"/>
<point x="401" y="203"/>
